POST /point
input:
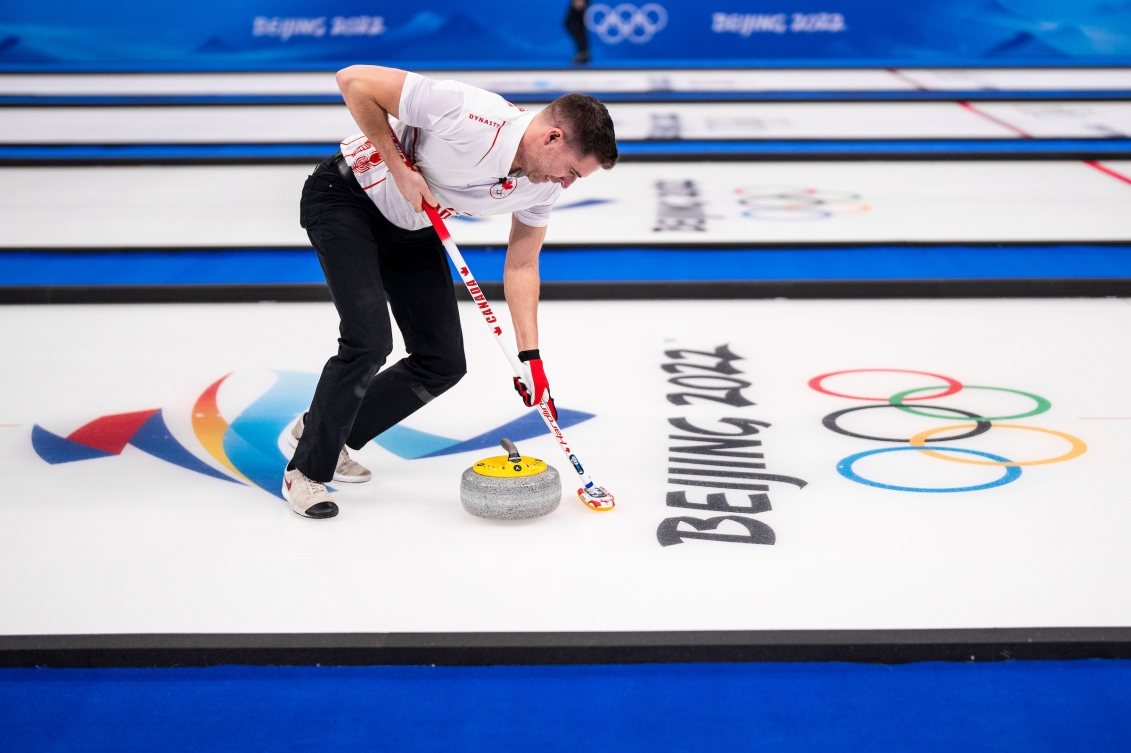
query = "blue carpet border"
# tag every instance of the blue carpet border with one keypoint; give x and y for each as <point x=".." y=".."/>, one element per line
<point x="981" y="95"/>
<point x="766" y="707"/>
<point x="768" y="148"/>
<point x="642" y="264"/>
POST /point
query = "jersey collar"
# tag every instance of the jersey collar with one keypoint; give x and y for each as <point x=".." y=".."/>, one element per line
<point x="501" y="157"/>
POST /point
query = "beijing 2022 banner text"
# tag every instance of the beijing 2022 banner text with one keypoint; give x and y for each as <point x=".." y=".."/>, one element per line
<point x="304" y="34"/>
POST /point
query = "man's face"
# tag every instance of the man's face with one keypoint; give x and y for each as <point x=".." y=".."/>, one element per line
<point x="552" y="161"/>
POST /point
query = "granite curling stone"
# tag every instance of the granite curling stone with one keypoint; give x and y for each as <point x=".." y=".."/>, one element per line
<point x="510" y="487"/>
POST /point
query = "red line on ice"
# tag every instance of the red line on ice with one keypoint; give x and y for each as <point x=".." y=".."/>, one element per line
<point x="992" y="119"/>
<point x="1107" y="170"/>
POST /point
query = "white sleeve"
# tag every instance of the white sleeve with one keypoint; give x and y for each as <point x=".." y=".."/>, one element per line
<point x="538" y="216"/>
<point x="430" y="104"/>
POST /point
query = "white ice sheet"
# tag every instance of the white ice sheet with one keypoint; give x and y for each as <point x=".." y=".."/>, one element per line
<point x="166" y="84"/>
<point x="89" y="207"/>
<point x="261" y="124"/>
<point x="717" y="80"/>
<point x="790" y="120"/>
<point x="1045" y="120"/>
<point x="634" y="122"/>
<point x="203" y="84"/>
<point x="720" y="80"/>
<point x="1020" y="79"/>
<point x="635" y="203"/>
<point x="132" y="544"/>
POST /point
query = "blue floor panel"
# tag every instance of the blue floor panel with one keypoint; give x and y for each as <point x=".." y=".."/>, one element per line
<point x="1001" y="707"/>
<point x="287" y="266"/>
<point x="918" y="148"/>
<point x="267" y="266"/>
<point x="922" y="148"/>
<point x="999" y="95"/>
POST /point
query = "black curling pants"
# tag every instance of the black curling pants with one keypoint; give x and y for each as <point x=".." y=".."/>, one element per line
<point x="371" y="265"/>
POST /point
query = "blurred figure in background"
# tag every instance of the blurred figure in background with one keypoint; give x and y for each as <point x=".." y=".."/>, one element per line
<point x="575" y="25"/>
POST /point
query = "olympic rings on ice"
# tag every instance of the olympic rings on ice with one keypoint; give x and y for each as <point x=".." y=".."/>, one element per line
<point x="844" y="468"/>
<point x="953" y="385"/>
<point x="797" y="203"/>
<point x="1078" y="446"/>
<point x="918" y="443"/>
<point x="830" y="422"/>
<point x="1042" y="404"/>
<point x="626" y="21"/>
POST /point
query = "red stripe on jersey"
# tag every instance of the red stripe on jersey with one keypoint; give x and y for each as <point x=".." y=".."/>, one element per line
<point x="366" y="188"/>
<point x="397" y="144"/>
<point x="347" y="143"/>
<point x="497" y="131"/>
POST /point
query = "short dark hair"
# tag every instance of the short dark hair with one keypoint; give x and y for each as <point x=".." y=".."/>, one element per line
<point x="587" y="126"/>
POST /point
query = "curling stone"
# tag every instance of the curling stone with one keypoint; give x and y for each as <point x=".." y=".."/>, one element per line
<point x="510" y="487"/>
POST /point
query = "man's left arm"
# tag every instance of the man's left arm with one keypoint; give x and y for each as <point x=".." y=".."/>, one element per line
<point x="521" y="281"/>
<point x="520" y="286"/>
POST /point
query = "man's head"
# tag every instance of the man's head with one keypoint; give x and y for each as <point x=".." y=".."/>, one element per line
<point x="570" y="139"/>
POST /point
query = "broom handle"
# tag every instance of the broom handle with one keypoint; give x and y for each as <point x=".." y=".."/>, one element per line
<point x="496" y="327"/>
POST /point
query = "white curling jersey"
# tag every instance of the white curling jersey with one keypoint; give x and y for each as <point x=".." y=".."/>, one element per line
<point x="463" y="140"/>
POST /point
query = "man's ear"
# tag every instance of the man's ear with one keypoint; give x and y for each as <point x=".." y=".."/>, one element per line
<point x="552" y="135"/>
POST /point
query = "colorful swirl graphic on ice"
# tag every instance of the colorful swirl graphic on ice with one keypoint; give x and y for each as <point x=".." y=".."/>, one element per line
<point x="244" y="448"/>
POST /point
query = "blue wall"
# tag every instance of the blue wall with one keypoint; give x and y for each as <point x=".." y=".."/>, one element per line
<point x="314" y="34"/>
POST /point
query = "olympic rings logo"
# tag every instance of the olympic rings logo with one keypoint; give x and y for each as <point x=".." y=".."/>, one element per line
<point x="926" y="442"/>
<point x="626" y="21"/>
<point x="797" y="204"/>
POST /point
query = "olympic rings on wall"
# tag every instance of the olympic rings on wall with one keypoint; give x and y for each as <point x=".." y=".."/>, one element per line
<point x="844" y="468"/>
<point x="626" y="21"/>
<point x="918" y="443"/>
<point x="1078" y="446"/>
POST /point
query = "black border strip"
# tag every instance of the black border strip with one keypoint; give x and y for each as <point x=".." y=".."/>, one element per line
<point x="870" y="646"/>
<point x="586" y="291"/>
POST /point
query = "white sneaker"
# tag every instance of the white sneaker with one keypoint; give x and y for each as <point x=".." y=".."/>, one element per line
<point x="296" y="432"/>
<point x="308" y="498"/>
<point x="348" y="470"/>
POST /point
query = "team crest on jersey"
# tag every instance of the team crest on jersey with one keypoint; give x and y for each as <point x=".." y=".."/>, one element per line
<point x="504" y="189"/>
<point x="361" y="163"/>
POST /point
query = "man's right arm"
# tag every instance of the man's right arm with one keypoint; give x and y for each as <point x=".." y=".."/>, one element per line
<point x="372" y="93"/>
